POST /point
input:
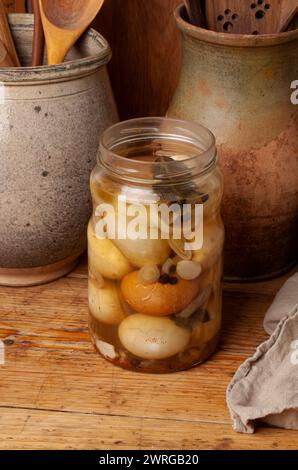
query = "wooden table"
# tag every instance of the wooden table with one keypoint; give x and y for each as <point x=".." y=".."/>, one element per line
<point x="57" y="393"/>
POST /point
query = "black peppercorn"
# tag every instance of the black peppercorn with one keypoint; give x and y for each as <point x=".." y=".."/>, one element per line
<point x="164" y="279"/>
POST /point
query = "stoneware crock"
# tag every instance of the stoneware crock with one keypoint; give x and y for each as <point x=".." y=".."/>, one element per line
<point x="51" y="119"/>
<point x="239" y="86"/>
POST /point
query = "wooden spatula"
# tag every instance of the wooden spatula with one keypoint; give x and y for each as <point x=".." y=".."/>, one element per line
<point x="64" y="22"/>
<point x="6" y="37"/>
<point x="266" y="16"/>
<point x="288" y="13"/>
<point x="244" y="17"/>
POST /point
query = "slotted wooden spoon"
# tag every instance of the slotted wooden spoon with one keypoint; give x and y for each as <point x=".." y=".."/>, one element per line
<point x="6" y="37"/>
<point x="244" y="17"/>
<point x="64" y="21"/>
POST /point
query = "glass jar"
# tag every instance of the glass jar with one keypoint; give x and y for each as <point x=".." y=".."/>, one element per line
<point x="155" y="245"/>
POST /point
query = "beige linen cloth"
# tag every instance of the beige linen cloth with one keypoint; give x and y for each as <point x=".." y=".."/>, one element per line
<point x="265" y="387"/>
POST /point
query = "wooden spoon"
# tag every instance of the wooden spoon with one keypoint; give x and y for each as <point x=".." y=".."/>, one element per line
<point x="38" y="39"/>
<point x="5" y="60"/>
<point x="6" y="37"/>
<point x="64" y="21"/>
<point x="244" y="17"/>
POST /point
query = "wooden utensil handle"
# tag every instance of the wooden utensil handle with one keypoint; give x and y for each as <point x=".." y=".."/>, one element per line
<point x="16" y="6"/>
<point x="38" y="39"/>
<point x="195" y="12"/>
<point x="6" y="37"/>
<point x="5" y="60"/>
<point x="287" y="22"/>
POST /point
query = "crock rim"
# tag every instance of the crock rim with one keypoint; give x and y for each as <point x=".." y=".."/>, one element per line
<point x="229" y="39"/>
<point x="58" y="72"/>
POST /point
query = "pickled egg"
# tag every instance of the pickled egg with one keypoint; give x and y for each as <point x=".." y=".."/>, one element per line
<point x="212" y="245"/>
<point x="105" y="304"/>
<point x="142" y="252"/>
<point x="158" y="299"/>
<point x="105" y="258"/>
<point x="151" y="337"/>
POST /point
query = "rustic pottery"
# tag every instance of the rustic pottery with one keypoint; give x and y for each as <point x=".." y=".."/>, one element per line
<point x="239" y="86"/>
<point x="51" y="119"/>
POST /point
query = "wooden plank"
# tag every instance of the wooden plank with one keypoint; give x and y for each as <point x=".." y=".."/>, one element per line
<point x="52" y="353"/>
<point x="26" y="429"/>
<point x="52" y="366"/>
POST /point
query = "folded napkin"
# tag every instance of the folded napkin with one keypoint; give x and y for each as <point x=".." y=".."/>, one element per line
<point x="265" y="387"/>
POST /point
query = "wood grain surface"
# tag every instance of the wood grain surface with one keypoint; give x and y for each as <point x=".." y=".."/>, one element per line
<point x="146" y="54"/>
<point x="56" y="392"/>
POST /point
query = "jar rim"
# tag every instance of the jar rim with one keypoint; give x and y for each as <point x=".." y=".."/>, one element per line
<point x="201" y="139"/>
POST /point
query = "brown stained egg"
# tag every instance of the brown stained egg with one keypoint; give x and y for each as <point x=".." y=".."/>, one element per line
<point x="160" y="298"/>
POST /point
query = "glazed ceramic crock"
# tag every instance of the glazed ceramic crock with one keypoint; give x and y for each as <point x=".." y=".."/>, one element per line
<point x="239" y="86"/>
<point x="51" y="119"/>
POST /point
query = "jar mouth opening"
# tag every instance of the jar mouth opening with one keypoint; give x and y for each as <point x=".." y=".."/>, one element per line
<point x="157" y="149"/>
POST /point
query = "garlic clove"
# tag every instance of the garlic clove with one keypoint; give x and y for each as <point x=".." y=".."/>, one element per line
<point x="168" y="267"/>
<point x="107" y="350"/>
<point x="189" y="270"/>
